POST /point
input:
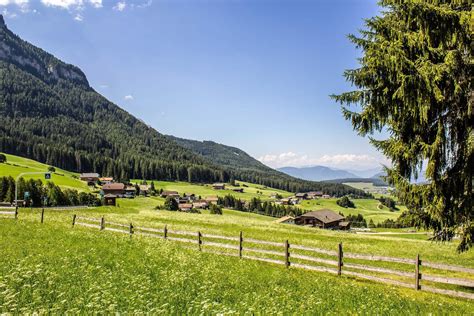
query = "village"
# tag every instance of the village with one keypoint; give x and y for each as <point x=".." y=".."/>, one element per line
<point x="110" y="191"/>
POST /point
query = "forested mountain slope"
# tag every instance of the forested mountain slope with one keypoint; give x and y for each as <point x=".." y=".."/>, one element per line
<point x="49" y="112"/>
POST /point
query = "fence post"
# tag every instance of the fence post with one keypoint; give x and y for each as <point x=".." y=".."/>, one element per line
<point x="417" y="272"/>
<point x="131" y="230"/>
<point x="199" y="240"/>
<point x="241" y="241"/>
<point x="287" y="254"/>
<point x="73" y="220"/>
<point x="165" y="232"/>
<point x="16" y="211"/>
<point x="339" y="259"/>
<point x="102" y="223"/>
<point x="42" y="215"/>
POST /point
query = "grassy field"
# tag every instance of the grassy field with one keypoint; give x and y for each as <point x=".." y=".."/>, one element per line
<point x="54" y="268"/>
<point x="205" y="190"/>
<point x="16" y="165"/>
<point x="369" y="208"/>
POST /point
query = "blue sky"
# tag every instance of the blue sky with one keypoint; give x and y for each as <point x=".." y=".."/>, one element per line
<point x="255" y="74"/>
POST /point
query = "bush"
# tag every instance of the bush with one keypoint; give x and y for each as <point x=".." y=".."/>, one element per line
<point x="345" y="202"/>
<point x="171" y="204"/>
<point x="3" y="158"/>
<point x="388" y="202"/>
<point x="215" y="209"/>
<point x="51" y="169"/>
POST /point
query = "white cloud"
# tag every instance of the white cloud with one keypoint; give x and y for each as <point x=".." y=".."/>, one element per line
<point x="8" y="14"/>
<point x="336" y="161"/>
<point x="72" y="4"/>
<point x="96" y="3"/>
<point x="17" y="2"/>
<point x="128" y="97"/>
<point x="79" y="17"/>
<point x="120" y="6"/>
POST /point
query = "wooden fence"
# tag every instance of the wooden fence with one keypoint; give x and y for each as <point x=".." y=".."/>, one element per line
<point x="407" y="272"/>
<point x="13" y="214"/>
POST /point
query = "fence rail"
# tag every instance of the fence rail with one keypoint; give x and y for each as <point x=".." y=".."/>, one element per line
<point x="305" y="257"/>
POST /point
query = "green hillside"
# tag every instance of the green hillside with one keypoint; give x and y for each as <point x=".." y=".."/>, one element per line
<point x="16" y="165"/>
<point x="250" y="190"/>
<point x="369" y="208"/>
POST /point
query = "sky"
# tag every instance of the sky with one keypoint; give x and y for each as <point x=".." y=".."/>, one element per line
<point x="254" y="74"/>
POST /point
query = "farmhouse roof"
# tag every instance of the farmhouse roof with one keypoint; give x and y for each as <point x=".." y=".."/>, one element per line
<point x="185" y="206"/>
<point x="144" y="187"/>
<point x="325" y="216"/>
<point x="301" y="194"/>
<point x="344" y="224"/>
<point x="170" y="193"/>
<point x="113" y="186"/>
<point x="106" y="179"/>
<point x="110" y="196"/>
<point x="284" y="219"/>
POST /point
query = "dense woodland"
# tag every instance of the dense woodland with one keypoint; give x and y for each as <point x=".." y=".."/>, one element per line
<point x="41" y="194"/>
<point x="48" y="112"/>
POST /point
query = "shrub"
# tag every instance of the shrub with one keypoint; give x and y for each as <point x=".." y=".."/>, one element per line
<point x="171" y="204"/>
<point x="215" y="209"/>
<point x="3" y="158"/>
<point x="345" y="202"/>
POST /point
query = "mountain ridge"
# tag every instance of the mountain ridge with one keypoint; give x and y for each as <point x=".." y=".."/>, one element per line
<point x="317" y="173"/>
<point x="49" y="112"/>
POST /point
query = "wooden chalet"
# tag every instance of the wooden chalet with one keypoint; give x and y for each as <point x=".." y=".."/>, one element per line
<point x="117" y="189"/>
<point x="106" y="180"/>
<point x="218" y="186"/>
<point x="173" y="194"/>
<point x="144" y="189"/>
<point x="89" y="177"/>
<point x="200" y="204"/>
<point x="185" y="207"/>
<point x="130" y="192"/>
<point x="110" y="199"/>
<point x="238" y="190"/>
<point x="315" y="194"/>
<point x="323" y="219"/>
<point x="302" y="196"/>
<point x="286" y="220"/>
<point x="212" y="199"/>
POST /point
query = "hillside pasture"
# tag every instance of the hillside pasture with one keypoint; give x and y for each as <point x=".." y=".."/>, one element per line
<point x="16" y="165"/>
<point x="369" y="208"/>
<point x="204" y="190"/>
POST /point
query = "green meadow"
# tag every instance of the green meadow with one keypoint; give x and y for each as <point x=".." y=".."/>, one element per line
<point x="250" y="190"/>
<point x="54" y="268"/>
<point x="369" y="208"/>
<point x="16" y="165"/>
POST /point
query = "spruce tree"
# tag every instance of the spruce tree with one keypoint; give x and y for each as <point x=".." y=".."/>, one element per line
<point x="415" y="83"/>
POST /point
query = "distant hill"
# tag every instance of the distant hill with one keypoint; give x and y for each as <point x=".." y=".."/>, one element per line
<point x="375" y="181"/>
<point x="317" y="173"/>
<point x="50" y="113"/>
<point x="224" y="155"/>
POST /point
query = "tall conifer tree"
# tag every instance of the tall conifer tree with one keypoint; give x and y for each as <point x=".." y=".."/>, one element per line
<point x="415" y="82"/>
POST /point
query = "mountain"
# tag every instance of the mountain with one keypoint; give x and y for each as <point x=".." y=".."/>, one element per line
<point x="317" y="173"/>
<point x="50" y="113"/>
<point x="366" y="173"/>
<point x="223" y="155"/>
